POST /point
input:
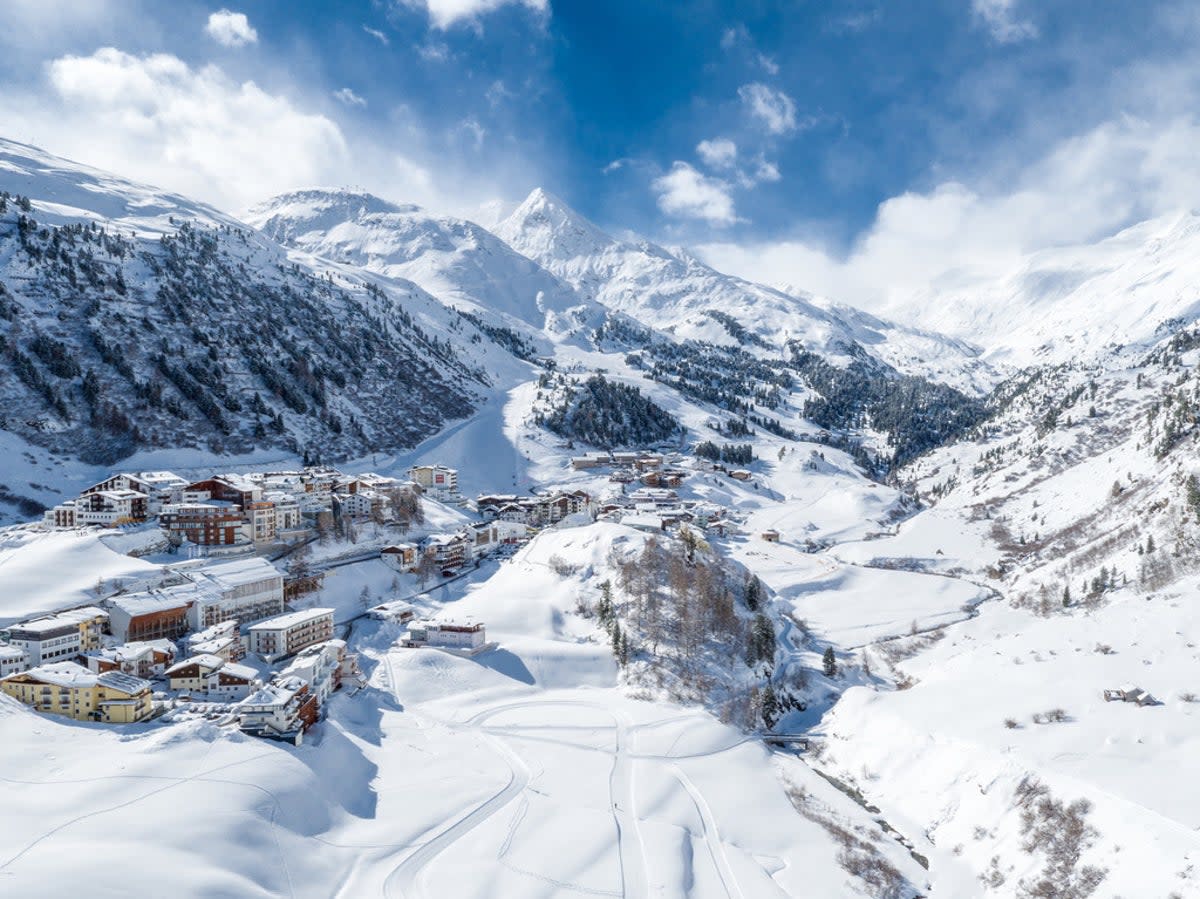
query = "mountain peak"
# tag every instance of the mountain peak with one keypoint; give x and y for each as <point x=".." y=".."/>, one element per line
<point x="543" y="226"/>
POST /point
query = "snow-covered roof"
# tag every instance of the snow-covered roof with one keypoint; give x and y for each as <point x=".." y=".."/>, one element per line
<point x="235" y="573"/>
<point x="233" y="669"/>
<point x="290" y="619"/>
<point x="8" y="651"/>
<point x="204" y="660"/>
<point x="126" y="683"/>
<point x="61" y="674"/>
<point x="61" y="619"/>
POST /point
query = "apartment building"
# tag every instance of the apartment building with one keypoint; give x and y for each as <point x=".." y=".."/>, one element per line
<point x="67" y="688"/>
<point x="286" y="635"/>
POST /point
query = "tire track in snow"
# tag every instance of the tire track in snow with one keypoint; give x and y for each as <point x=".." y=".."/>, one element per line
<point x="711" y="835"/>
<point x="405" y="879"/>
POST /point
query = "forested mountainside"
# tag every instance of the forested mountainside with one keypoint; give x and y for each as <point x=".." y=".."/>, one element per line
<point x="203" y="337"/>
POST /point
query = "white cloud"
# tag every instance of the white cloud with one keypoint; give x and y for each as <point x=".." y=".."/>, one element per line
<point x="231" y="29"/>
<point x="349" y="98"/>
<point x="378" y="35"/>
<point x="195" y="131"/>
<point x="773" y="108"/>
<point x="719" y="153"/>
<point x="684" y="192"/>
<point x="445" y="13"/>
<point x="958" y="235"/>
<point x="770" y="66"/>
<point x="1001" y="19"/>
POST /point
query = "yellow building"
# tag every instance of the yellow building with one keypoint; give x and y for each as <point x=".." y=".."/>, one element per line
<point x="65" y="688"/>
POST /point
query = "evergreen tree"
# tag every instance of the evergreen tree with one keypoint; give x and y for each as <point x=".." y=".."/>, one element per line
<point x="770" y="706"/>
<point x="829" y="662"/>
<point x="616" y="640"/>
<point x="753" y="593"/>
<point x="1066" y="598"/>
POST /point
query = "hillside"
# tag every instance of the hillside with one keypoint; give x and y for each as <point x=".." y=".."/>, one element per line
<point x="141" y="321"/>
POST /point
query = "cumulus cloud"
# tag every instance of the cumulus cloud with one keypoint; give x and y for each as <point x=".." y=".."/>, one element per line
<point x="719" y="153"/>
<point x="684" y="192"/>
<point x="192" y="130"/>
<point x="445" y="13"/>
<point x="773" y="108"/>
<point x="349" y="98"/>
<point x="231" y="29"/>
<point x="1001" y="20"/>
<point x="956" y="234"/>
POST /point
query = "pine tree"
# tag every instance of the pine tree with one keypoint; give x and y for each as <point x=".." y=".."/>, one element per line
<point x="1066" y="599"/>
<point x="616" y="640"/>
<point x="1150" y="544"/>
<point x="770" y="706"/>
<point x="829" y="662"/>
<point x="753" y="593"/>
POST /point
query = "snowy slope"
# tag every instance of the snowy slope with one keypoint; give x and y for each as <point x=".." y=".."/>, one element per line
<point x="674" y="291"/>
<point x="126" y="316"/>
<point x="1077" y="301"/>
<point x="457" y="261"/>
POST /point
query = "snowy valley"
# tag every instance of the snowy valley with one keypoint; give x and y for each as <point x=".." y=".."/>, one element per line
<point x="780" y="598"/>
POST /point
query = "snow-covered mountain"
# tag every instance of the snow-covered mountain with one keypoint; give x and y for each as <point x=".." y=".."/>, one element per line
<point x="135" y="319"/>
<point x="672" y="290"/>
<point x="457" y="261"/>
<point x="1078" y="301"/>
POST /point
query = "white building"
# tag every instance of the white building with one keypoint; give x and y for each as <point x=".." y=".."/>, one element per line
<point x="59" y="637"/>
<point x="438" y="481"/>
<point x="286" y="635"/>
<point x="446" y="635"/>
<point x="284" y="707"/>
<point x="214" y="677"/>
<point x="12" y="659"/>
<point x="243" y="590"/>
<point x="323" y="666"/>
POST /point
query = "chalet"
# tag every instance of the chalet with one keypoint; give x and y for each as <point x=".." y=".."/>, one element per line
<point x="221" y="639"/>
<point x="397" y="611"/>
<point x="283" y="709"/>
<point x="649" y="462"/>
<point x="66" y="688"/>
<point x="226" y="488"/>
<point x="58" y="637"/>
<point x="448" y="550"/>
<point x="216" y="523"/>
<point x="445" y="636"/>
<point x="363" y="503"/>
<point x="146" y="659"/>
<point x="285" y="635"/>
<point x="771" y="536"/>
<point x="741" y="474"/>
<point x="109" y="508"/>
<point x="323" y="667"/>
<point x="400" y="556"/>
<point x="213" y="676"/>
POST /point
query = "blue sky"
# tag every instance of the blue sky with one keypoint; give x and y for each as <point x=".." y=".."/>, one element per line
<point x="846" y="146"/>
